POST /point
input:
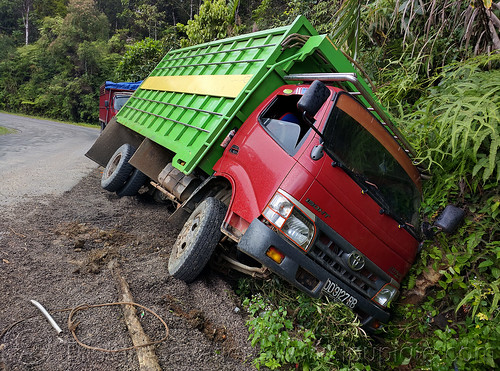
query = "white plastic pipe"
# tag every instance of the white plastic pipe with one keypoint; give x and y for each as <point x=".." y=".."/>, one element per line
<point x="47" y="315"/>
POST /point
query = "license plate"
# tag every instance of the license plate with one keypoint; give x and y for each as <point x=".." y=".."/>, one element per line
<point x="338" y="294"/>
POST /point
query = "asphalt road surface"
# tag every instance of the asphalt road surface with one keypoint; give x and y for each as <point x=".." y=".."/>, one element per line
<point x="42" y="157"/>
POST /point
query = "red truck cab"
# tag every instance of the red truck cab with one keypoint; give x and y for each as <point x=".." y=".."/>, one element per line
<point x="330" y="208"/>
<point x="112" y="97"/>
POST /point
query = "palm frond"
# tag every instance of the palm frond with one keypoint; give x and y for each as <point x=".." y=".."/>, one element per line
<point x="346" y="25"/>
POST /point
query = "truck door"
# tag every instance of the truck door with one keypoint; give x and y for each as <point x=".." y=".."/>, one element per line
<point x="263" y="152"/>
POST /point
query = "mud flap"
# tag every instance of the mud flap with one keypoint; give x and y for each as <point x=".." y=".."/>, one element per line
<point x="151" y="158"/>
<point x="111" y="138"/>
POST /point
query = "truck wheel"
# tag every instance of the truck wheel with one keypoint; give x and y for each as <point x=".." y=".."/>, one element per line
<point x="118" y="170"/>
<point x="134" y="183"/>
<point x="197" y="240"/>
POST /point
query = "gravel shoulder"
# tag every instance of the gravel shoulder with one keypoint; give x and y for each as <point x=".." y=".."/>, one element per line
<point x="56" y="249"/>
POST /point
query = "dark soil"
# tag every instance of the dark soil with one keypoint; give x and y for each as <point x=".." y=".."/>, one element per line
<point x="57" y="251"/>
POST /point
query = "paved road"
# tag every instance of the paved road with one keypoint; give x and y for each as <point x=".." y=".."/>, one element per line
<point x="42" y="157"/>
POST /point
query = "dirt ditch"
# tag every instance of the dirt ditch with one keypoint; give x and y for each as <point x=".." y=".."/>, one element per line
<point x="57" y="251"/>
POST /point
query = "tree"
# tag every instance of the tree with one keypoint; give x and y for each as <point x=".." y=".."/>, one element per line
<point x="14" y="11"/>
<point x="140" y="59"/>
<point x="215" y="20"/>
<point x="85" y="21"/>
<point x="8" y="16"/>
<point x="150" y="18"/>
<point x="112" y="10"/>
<point x="28" y="13"/>
<point x="50" y="8"/>
<point x="58" y="76"/>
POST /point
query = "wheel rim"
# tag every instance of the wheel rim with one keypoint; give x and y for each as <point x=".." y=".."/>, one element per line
<point x="187" y="234"/>
<point x="114" y="164"/>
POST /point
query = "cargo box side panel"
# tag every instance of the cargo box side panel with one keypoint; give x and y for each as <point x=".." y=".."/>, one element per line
<point x="188" y="101"/>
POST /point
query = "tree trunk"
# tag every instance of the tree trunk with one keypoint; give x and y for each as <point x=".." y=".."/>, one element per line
<point x="26" y="18"/>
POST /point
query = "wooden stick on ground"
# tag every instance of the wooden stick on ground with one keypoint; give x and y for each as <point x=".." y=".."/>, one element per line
<point x="146" y="355"/>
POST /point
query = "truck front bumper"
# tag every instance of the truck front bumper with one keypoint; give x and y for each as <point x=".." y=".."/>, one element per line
<point x="259" y="238"/>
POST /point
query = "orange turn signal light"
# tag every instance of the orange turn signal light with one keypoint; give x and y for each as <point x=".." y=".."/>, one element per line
<point x="275" y="254"/>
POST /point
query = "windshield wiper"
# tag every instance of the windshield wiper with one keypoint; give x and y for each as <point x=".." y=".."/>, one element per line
<point x="372" y="190"/>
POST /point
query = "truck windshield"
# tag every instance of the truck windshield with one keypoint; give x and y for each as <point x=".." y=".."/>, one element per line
<point x="120" y="101"/>
<point x="355" y="137"/>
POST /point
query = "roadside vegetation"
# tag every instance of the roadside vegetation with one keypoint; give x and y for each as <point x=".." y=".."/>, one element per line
<point x="4" y="131"/>
<point x="436" y="64"/>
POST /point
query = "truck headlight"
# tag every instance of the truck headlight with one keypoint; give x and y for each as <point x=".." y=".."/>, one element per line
<point x="386" y="294"/>
<point x="286" y="216"/>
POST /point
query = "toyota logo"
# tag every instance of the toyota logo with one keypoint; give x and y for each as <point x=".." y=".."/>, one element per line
<point x="355" y="261"/>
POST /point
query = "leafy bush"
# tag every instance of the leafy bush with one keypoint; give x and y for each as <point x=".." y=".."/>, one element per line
<point x="294" y="330"/>
<point x="473" y="346"/>
<point x="454" y="129"/>
<point x="458" y="324"/>
<point x="215" y="20"/>
<point x="140" y="59"/>
<point x="456" y="126"/>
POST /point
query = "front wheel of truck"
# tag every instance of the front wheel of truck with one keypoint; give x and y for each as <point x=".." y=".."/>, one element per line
<point x="197" y="240"/>
<point x="118" y="170"/>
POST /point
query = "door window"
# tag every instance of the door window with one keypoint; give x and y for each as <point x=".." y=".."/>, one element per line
<point x="283" y="121"/>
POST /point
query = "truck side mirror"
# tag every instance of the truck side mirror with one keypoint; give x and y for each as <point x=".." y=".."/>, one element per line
<point x="449" y="219"/>
<point x="448" y="222"/>
<point x="314" y="97"/>
<point x="106" y="103"/>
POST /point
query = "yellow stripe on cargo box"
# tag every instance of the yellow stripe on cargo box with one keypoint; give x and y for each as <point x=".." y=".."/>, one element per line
<point x="228" y="86"/>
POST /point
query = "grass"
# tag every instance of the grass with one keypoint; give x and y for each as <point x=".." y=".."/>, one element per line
<point x="4" y="131"/>
<point x="95" y="126"/>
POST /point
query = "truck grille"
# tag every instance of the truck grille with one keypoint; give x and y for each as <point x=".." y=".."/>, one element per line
<point x="332" y="257"/>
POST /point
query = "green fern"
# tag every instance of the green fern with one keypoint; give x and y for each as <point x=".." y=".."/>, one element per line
<point x="412" y="280"/>
<point x="457" y="126"/>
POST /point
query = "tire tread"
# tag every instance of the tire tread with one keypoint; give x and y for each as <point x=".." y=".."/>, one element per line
<point x="133" y="184"/>
<point x="119" y="177"/>
<point x="194" y="259"/>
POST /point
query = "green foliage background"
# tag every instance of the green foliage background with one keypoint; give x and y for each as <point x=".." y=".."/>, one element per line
<point x="436" y="64"/>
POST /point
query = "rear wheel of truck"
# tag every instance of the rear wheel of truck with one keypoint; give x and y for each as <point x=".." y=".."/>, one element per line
<point x="134" y="183"/>
<point x="197" y="240"/>
<point x="118" y="170"/>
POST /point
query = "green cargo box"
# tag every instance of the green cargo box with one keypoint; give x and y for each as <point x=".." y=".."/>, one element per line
<point x="196" y="95"/>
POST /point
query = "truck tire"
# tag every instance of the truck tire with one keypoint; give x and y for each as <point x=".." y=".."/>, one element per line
<point x="134" y="183"/>
<point x="197" y="240"/>
<point x="118" y="170"/>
